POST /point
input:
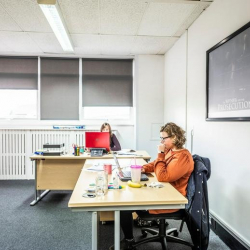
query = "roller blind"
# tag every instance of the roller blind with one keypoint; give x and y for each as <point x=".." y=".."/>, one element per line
<point x="18" y="73"/>
<point x="107" y="82"/>
<point x="59" y="89"/>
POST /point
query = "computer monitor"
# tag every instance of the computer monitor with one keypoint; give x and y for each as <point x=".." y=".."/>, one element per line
<point x="97" y="140"/>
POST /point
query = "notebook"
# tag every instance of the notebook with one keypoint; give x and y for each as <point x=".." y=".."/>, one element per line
<point x="126" y="175"/>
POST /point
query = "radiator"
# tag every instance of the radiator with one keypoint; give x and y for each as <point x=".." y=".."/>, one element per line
<point x="16" y="146"/>
<point x="13" y="154"/>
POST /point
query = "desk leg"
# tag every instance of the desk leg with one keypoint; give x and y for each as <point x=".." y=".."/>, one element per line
<point x="95" y="222"/>
<point x="117" y="230"/>
<point x="37" y="196"/>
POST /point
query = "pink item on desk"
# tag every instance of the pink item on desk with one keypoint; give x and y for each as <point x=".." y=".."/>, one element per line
<point x="107" y="168"/>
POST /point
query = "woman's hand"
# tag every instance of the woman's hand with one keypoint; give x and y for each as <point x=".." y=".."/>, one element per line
<point x="161" y="148"/>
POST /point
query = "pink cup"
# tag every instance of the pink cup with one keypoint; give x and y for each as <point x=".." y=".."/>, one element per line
<point x="107" y="168"/>
<point x="136" y="173"/>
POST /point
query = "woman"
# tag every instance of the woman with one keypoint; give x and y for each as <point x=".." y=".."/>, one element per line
<point x="174" y="164"/>
<point x="114" y="143"/>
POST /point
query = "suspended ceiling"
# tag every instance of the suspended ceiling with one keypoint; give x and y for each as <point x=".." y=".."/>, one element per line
<point x="98" y="27"/>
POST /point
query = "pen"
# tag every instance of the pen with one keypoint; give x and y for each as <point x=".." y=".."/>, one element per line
<point x="112" y="187"/>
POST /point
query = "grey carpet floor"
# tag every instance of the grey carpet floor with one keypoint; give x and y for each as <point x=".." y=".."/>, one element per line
<point x="52" y="225"/>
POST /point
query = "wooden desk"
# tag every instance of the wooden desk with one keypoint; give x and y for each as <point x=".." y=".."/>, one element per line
<point x="123" y="199"/>
<point x="62" y="172"/>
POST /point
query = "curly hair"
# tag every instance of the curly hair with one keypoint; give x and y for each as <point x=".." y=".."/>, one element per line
<point x="175" y="132"/>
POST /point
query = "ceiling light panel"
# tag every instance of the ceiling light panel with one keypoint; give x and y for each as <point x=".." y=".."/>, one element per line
<point x="55" y="19"/>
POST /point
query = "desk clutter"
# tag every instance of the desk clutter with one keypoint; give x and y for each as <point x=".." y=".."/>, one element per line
<point x="101" y="186"/>
<point x="60" y="149"/>
<point x="51" y="150"/>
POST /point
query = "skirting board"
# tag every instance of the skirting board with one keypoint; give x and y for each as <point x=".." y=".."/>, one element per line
<point x="228" y="237"/>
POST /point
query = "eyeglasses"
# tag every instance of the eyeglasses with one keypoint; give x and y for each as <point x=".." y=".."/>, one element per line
<point x="164" y="138"/>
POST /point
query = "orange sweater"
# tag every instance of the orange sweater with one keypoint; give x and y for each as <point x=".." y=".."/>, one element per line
<point x="174" y="167"/>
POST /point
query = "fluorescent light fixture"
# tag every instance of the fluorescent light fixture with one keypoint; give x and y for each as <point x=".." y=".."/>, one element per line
<point x="53" y="14"/>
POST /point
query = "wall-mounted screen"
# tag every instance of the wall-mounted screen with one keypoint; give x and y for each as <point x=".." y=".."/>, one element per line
<point x="228" y="78"/>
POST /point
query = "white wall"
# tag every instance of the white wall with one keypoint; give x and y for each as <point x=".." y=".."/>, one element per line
<point x="175" y="83"/>
<point x="149" y="81"/>
<point x="225" y="143"/>
<point x="125" y="135"/>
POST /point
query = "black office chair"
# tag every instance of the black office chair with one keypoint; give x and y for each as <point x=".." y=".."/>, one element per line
<point x="161" y="234"/>
<point x="197" y="223"/>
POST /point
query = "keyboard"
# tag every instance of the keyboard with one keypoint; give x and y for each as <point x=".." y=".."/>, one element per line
<point x="126" y="176"/>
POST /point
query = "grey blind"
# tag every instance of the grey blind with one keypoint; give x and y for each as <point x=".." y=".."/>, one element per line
<point x="59" y="89"/>
<point x="18" y="73"/>
<point x="107" y="82"/>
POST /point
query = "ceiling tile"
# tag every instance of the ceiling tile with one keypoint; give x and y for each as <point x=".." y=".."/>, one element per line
<point x="117" y="45"/>
<point x="151" y="45"/>
<point x="27" y="14"/>
<point x="98" y="27"/>
<point x="200" y="6"/>
<point x="167" y="44"/>
<point x="81" y="16"/>
<point x="19" y="42"/>
<point x="47" y="42"/>
<point x="6" y="22"/>
<point x="86" y="44"/>
<point x="121" y="16"/>
<point x="164" y="19"/>
<point x="4" y="47"/>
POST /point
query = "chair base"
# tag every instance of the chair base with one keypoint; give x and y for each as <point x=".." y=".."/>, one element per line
<point x="162" y="236"/>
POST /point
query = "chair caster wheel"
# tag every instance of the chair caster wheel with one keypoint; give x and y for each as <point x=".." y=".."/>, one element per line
<point x="176" y="234"/>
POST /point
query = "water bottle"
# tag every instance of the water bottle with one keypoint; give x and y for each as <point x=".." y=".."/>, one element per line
<point x="115" y="180"/>
<point x="101" y="184"/>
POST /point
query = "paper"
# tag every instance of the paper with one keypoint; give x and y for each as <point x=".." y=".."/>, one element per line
<point x="125" y="153"/>
<point x="98" y="165"/>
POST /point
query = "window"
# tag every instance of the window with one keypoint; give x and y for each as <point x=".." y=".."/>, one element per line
<point x="106" y="90"/>
<point x="107" y="113"/>
<point x="18" y="87"/>
<point x="18" y="104"/>
<point x="59" y="89"/>
<point x="107" y="82"/>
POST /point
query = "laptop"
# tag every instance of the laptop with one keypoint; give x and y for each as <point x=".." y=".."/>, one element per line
<point x="126" y="175"/>
<point x="97" y="142"/>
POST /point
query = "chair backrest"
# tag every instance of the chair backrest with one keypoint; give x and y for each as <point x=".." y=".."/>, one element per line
<point x="191" y="181"/>
<point x="190" y="190"/>
<point x="197" y="209"/>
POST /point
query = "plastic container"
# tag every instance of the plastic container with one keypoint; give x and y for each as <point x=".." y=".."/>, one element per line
<point x="136" y="173"/>
<point x="81" y="149"/>
<point x="115" y="180"/>
<point x="101" y="184"/>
